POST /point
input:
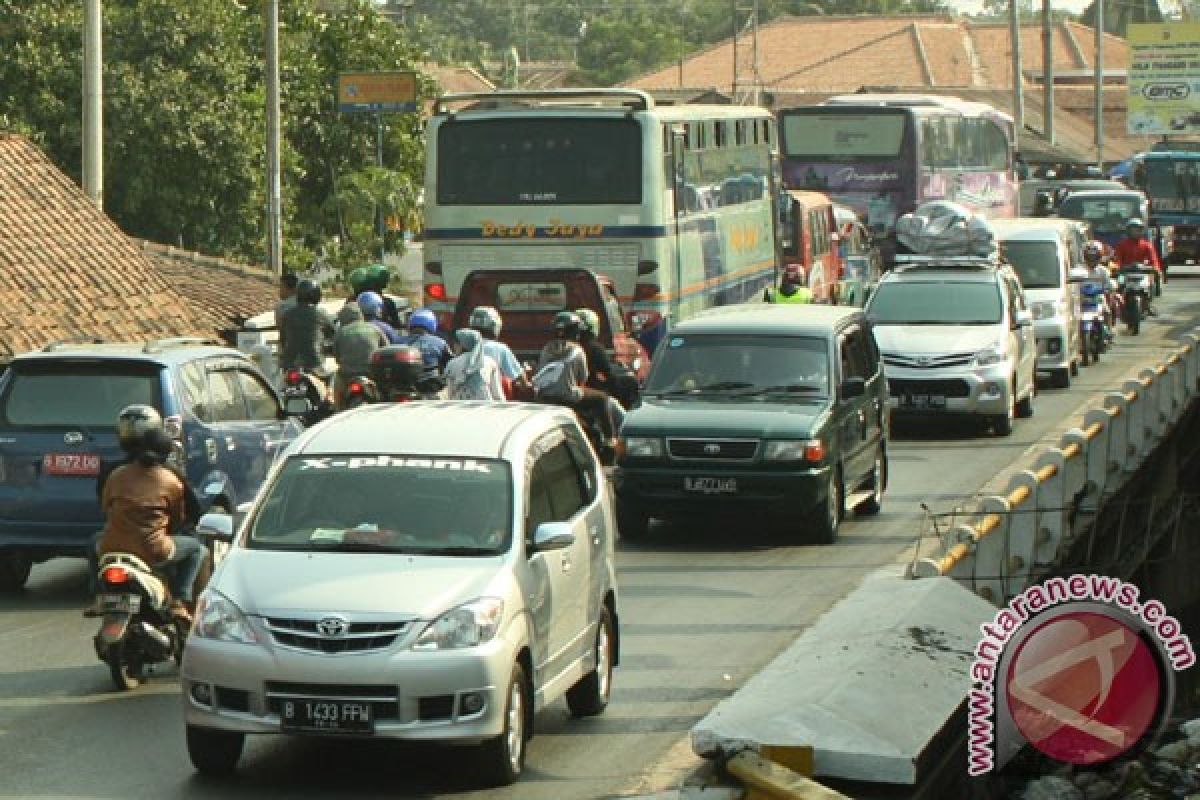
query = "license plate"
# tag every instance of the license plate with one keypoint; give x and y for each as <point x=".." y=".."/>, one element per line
<point x="923" y="401"/>
<point x="87" y="464"/>
<point x="326" y="716"/>
<point x="296" y="404"/>
<point x="126" y="603"/>
<point x="711" y="485"/>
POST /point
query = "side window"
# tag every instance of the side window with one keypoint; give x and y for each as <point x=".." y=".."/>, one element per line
<point x="260" y="400"/>
<point x="226" y="396"/>
<point x="584" y="463"/>
<point x="864" y="345"/>
<point x="853" y="356"/>
<point x="564" y="482"/>
<point x="1015" y="300"/>
<point x="539" y="509"/>
<point x="194" y="391"/>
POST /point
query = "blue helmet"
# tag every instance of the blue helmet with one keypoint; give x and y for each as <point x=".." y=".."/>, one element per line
<point x="371" y="304"/>
<point x="423" y="318"/>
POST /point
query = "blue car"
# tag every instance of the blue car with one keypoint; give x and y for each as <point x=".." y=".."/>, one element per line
<point x="58" y="411"/>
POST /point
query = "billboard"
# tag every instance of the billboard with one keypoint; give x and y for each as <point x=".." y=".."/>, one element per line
<point x="377" y="92"/>
<point x="1164" y="79"/>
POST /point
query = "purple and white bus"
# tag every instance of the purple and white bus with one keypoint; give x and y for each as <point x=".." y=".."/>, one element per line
<point x="885" y="154"/>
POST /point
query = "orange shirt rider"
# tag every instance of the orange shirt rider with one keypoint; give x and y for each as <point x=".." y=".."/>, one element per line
<point x="142" y="505"/>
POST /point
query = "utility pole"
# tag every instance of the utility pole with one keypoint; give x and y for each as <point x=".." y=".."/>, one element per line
<point x="1048" y="68"/>
<point x="1098" y="21"/>
<point x="274" y="212"/>
<point x="1018" y="77"/>
<point x="93" y="102"/>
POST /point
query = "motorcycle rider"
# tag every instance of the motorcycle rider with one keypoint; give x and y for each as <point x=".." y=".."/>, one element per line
<point x="1135" y="248"/>
<point x="422" y="326"/>
<point x="1094" y="255"/>
<point x="562" y="374"/>
<point x="358" y="283"/>
<point x="600" y="370"/>
<point x="146" y="508"/>
<point x="473" y="374"/>
<point x="486" y="320"/>
<point x="378" y="278"/>
<point x="372" y="307"/>
<point x="304" y="330"/>
<point x="791" y="287"/>
<point x="353" y="345"/>
<point x="287" y="296"/>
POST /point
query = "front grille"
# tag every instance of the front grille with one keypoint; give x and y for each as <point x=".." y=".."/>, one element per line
<point x="928" y="362"/>
<point x="948" y="387"/>
<point x="384" y="699"/>
<point x="713" y="449"/>
<point x="360" y="637"/>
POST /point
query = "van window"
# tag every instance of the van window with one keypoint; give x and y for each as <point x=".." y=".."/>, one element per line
<point x="66" y="393"/>
<point x="1037" y="263"/>
<point x="853" y="355"/>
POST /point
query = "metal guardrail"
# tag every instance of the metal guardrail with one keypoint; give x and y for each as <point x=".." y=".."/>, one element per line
<point x="1008" y="549"/>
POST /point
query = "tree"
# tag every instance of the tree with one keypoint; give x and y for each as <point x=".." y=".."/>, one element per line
<point x="1118" y="16"/>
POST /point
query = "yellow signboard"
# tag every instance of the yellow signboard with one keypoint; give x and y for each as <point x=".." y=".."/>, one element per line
<point x="1164" y="79"/>
<point x="379" y="92"/>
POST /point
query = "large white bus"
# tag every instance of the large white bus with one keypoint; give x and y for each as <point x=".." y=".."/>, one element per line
<point x="675" y="204"/>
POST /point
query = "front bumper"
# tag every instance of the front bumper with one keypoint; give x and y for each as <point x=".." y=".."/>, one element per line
<point x="414" y="695"/>
<point x="1054" y="351"/>
<point x="982" y="391"/>
<point x="660" y="489"/>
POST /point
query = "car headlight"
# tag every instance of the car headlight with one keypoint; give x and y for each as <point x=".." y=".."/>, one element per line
<point x="471" y="624"/>
<point x="988" y="356"/>
<point x="641" y="447"/>
<point x="794" y="450"/>
<point x="219" y="618"/>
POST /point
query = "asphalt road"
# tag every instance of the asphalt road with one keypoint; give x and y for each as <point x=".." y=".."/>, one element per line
<point x="701" y="611"/>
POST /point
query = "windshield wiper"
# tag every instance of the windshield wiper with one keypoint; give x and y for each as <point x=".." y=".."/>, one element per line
<point x="722" y="386"/>
<point x="796" y="388"/>
<point x="456" y="550"/>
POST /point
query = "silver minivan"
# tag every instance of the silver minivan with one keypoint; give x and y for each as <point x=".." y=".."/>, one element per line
<point x="430" y="571"/>
<point x="1043" y="252"/>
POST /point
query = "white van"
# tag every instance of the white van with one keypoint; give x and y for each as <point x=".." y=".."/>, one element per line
<point x="1042" y="251"/>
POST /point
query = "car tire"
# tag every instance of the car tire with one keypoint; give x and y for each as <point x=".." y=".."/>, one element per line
<point x="214" y="752"/>
<point x="632" y="524"/>
<point x="829" y="516"/>
<point x="878" y="482"/>
<point x="15" y="567"/>
<point x="502" y="758"/>
<point x="1024" y="409"/>
<point x="589" y="696"/>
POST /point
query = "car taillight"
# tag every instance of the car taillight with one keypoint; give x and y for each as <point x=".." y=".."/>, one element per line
<point x="354" y="388"/>
<point x="294" y="376"/>
<point x="436" y="291"/>
<point x="114" y="575"/>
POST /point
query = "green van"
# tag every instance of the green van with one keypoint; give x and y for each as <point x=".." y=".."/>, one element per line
<point x="761" y="411"/>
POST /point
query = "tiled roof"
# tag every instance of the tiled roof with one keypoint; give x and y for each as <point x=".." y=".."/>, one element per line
<point x="66" y="270"/>
<point x="220" y="293"/>
<point x="458" y="79"/>
<point x="838" y="54"/>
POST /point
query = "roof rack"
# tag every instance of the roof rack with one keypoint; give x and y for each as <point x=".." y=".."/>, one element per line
<point x="158" y="345"/>
<point x="58" y="344"/>
<point x="971" y="262"/>
<point x="635" y="99"/>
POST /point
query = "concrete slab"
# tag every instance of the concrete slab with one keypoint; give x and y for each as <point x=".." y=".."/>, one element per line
<point x="867" y="687"/>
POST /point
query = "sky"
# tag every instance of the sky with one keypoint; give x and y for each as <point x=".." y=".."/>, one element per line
<point x="975" y="6"/>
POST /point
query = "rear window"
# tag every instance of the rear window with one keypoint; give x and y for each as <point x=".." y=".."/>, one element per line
<point x="1036" y="263"/>
<point x="66" y="393"/>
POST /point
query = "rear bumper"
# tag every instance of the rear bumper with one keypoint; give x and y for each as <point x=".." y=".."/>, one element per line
<point x="1054" y="349"/>
<point x="45" y="540"/>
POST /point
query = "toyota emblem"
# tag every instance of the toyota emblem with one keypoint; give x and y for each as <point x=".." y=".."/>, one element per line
<point x="923" y="361"/>
<point x="712" y="449"/>
<point x="332" y="627"/>
<point x="73" y="437"/>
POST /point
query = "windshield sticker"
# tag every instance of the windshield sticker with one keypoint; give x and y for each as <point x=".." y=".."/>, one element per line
<point x="360" y="462"/>
<point x="327" y="535"/>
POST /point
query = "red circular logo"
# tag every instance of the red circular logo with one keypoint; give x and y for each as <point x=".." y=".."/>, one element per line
<point x="1083" y="687"/>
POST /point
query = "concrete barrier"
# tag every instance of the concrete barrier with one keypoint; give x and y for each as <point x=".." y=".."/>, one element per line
<point x="1016" y="537"/>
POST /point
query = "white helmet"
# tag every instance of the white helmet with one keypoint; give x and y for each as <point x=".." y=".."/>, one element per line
<point x="140" y="428"/>
<point x="486" y="320"/>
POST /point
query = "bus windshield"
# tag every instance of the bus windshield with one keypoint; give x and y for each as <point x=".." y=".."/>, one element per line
<point x="1172" y="185"/>
<point x="546" y="161"/>
<point x="843" y="136"/>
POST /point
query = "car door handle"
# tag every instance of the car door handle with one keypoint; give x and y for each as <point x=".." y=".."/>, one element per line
<point x="566" y="564"/>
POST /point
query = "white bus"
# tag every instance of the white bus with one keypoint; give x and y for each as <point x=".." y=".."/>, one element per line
<point x="675" y="204"/>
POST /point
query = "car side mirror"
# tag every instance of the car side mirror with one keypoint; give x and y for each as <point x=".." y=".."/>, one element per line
<point x="215" y="525"/>
<point x="553" y="536"/>
<point x="853" y="387"/>
<point x="1023" y="319"/>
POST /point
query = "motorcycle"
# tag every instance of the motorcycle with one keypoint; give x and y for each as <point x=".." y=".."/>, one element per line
<point x="137" y="629"/>
<point x="1093" y="335"/>
<point x="1137" y="283"/>
<point x="307" y="396"/>
<point x="400" y="375"/>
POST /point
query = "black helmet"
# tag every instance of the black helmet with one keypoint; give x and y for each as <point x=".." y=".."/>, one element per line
<point x="308" y="292"/>
<point x="567" y="324"/>
<point x="140" y="432"/>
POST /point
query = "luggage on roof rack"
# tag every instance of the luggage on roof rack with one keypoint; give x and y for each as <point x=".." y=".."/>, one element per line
<point x="945" y="229"/>
<point x="961" y="262"/>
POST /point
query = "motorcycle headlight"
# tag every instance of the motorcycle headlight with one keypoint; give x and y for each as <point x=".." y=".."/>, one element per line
<point x="988" y="356"/>
<point x="217" y="617"/>
<point x="471" y="624"/>
<point x="641" y="447"/>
